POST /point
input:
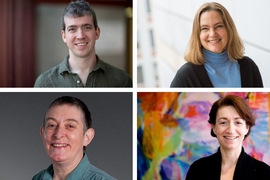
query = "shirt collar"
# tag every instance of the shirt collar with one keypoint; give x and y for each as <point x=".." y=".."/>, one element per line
<point x="77" y="173"/>
<point x="64" y="66"/>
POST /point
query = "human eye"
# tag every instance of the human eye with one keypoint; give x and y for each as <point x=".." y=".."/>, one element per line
<point x="204" y="28"/>
<point x="72" y="29"/>
<point x="219" y="26"/>
<point x="70" y="126"/>
<point x="222" y="122"/>
<point x="87" y="28"/>
<point x="50" y="125"/>
<point x="239" y="122"/>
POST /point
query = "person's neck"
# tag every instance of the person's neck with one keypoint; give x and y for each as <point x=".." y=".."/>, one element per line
<point x="215" y="58"/>
<point x="230" y="157"/>
<point x="82" y="65"/>
<point x="62" y="170"/>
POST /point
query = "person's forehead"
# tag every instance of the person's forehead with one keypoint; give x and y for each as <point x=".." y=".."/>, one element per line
<point x="65" y="110"/>
<point x="211" y="15"/>
<point x="78" y="21"/>
<point x="227" y="111"/>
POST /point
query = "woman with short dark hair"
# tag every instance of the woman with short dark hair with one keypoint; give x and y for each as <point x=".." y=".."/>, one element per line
<point x="231" y="120"/>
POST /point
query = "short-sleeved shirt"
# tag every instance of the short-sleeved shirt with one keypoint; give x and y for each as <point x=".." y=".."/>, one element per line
<point x="84" y="171"/>
<point x="103" y="75"/>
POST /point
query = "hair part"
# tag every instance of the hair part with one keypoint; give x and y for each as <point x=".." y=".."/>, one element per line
<point x="235" y="47"/>
<point x="76" y="9"/>
<point x="240" y="106"/>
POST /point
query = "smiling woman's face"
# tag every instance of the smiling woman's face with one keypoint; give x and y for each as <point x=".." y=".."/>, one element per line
<point x="230" y="128"/>
<point x="63" y="135"/>
<point x="213" y="33"/>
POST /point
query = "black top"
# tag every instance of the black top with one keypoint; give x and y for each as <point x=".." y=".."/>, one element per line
<point x="247" y="168"/>
<point x="191" y="75"/>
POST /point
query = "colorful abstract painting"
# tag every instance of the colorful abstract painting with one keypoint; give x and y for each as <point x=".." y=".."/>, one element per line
<point x="173" y="132"/>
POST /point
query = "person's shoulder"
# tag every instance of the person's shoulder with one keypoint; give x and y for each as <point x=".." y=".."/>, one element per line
<point x="97" y="174"/>
<point x="117" y="74"/>
<point x="51" y="72"/>
<point x="112" y="70"/>
<point x="44" y="78"/>
<point x="191" y="75"/>
<point x="188" y="67"/>
<point x="258" y="164"/>
<point x="246" y="61"/>
<point x="39" y="175"/>
<point x="206" y="160"/>
<point x="202" y="167"/>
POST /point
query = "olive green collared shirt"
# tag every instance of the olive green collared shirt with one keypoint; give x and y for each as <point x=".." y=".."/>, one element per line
<point x="84" y="171"/>
<point x="103" y="75"/>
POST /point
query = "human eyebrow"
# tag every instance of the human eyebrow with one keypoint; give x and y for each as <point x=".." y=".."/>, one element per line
<point x="239" y="118"/>
<point x="72" y="120"/>
<point x="204" y="25"/>
<point x="222" y="118"/>
<point x="87" y="25"/>
<point x="71" y="26"/>
<point x="50" y="119"/>
<point x="219" y="23"/>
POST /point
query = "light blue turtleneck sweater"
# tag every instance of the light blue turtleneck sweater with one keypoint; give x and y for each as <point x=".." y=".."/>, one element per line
<point x="221" y="71"/>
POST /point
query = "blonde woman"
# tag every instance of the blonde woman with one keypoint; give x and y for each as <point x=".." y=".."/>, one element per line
<point x="215" y="55"/>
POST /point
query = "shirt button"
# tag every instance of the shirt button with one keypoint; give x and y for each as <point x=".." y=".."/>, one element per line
<point x="78" y="81"/>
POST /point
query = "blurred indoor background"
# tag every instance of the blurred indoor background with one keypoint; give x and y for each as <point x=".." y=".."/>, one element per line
<point x="31" y="40"/>
<point x="164" y="29"/>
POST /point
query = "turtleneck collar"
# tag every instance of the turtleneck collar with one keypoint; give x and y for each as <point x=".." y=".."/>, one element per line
<point x="216" y="59"/>
<point x="221" y="71"/>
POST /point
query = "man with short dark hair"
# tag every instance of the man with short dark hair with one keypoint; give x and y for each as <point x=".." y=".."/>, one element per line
<point x="82" y="67"/>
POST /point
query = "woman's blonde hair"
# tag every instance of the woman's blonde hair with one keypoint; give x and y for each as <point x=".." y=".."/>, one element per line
<point x="235" y="47"/>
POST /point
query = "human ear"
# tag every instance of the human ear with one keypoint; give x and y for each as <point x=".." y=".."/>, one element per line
<point x="63" y="36"/>
<point x="213" y="128"/>
<point x="97" y="33"/>
<point x="247" y="128"/>
<point x="41" y="131"/>
<point x="88" y="136"/>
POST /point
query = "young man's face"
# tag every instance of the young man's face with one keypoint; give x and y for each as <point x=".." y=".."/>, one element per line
<point x="80" y="36"/>
<point x="63" y="135"/>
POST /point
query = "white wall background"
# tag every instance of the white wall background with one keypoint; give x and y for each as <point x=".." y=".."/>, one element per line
<point x="173" y="23"/>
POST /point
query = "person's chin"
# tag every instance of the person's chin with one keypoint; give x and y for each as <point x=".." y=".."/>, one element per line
<point x="215" y="50"/>
<point x="58" y="159"/>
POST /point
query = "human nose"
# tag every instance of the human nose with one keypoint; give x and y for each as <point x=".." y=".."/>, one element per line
<point x="59" y="132"/>
<point x="80" y="33"/>
<point x="230" y="128"/>
<point x="212" y="32"/>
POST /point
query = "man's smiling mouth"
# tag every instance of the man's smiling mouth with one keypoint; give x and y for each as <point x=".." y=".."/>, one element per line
<point x="81" y="44"/>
